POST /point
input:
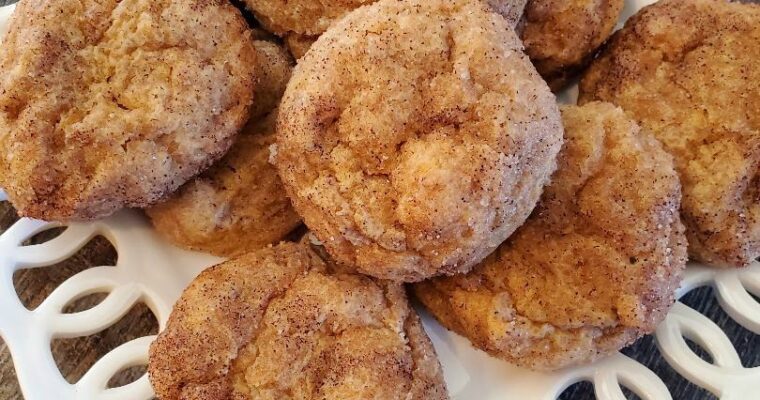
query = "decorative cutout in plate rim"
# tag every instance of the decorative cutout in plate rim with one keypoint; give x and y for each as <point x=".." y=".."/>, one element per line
<point x="151" y="271"/>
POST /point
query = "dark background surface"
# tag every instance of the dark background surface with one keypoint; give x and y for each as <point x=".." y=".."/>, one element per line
<point x="75" y="356"/>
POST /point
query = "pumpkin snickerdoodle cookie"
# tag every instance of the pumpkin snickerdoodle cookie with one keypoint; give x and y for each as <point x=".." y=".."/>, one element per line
<point x="280" y="323"/>
<point x="594" y="268"/>
<point x="413" y="155"/>
<point x="113" y="104"/>
<point x="687" y="70"/>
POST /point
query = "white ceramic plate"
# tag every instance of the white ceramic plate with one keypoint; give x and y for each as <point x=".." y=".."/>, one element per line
<point x="151" y="271"/>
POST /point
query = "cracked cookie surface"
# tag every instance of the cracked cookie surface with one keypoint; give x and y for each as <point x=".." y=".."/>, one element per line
<point x="113" y="104"/>
<point x="687" y="71"/>
<point x="281" y="324"/>
<point x="596" y="265"/>
<point x="412" y="155"/>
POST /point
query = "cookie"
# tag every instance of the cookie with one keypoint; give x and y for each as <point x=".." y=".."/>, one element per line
<point x="237" y="206"/>
<point x="594" y="268"/>
<point x="113" y="104"/>
<point x="280" y="323"/>
<point x="412" y="155"/>
<point x="511" y="10"/>
<point x="302" y="17"/>
<point x="274" y="65"/>
<point x="298" y="45"/>
<point x="300" y="32"/>
<point x="687" y="71"/>
<point x="561" y="36"/>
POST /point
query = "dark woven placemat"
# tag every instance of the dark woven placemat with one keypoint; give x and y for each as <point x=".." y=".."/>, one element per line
<point x="74" y="356"/>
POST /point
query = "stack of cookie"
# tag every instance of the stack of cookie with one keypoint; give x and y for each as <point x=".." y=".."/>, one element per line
<point x="420" y="143"/>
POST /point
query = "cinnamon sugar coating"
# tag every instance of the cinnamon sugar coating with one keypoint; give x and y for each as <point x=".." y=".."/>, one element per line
<point x="412" y="155"/>
<point x="113" y="104"/>
<point x="562" y="36"/>
<point x="237" y="206"/>
<point x="688" y="71"/>
<point x="302" y="17"/>
<point x="274" y="65"/>
<point x="298" y="45"/>
<point x="594" y="268"/>
<point x="511" y="10"/>
<point x="279" y="323"/>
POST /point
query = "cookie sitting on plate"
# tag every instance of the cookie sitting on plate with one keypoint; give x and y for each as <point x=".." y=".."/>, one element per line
<point x="113" y="104"/>
<point x="281" y="323"/>
<point x="687" y="70"/>
<point x="412" y="155"/>
<point x="594" y="268"/>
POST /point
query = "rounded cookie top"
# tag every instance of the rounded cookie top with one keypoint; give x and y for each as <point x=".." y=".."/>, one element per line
<point x="595" y="267"/>
<point x="412" y="155"/>
<point x="236" y="206"/>
<point x="279" y="323"/>
<point x="112" y="104"/>
<point x="687" y="71"/>
<point x="302" y="17"/>
<point x="561" y="36"/>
